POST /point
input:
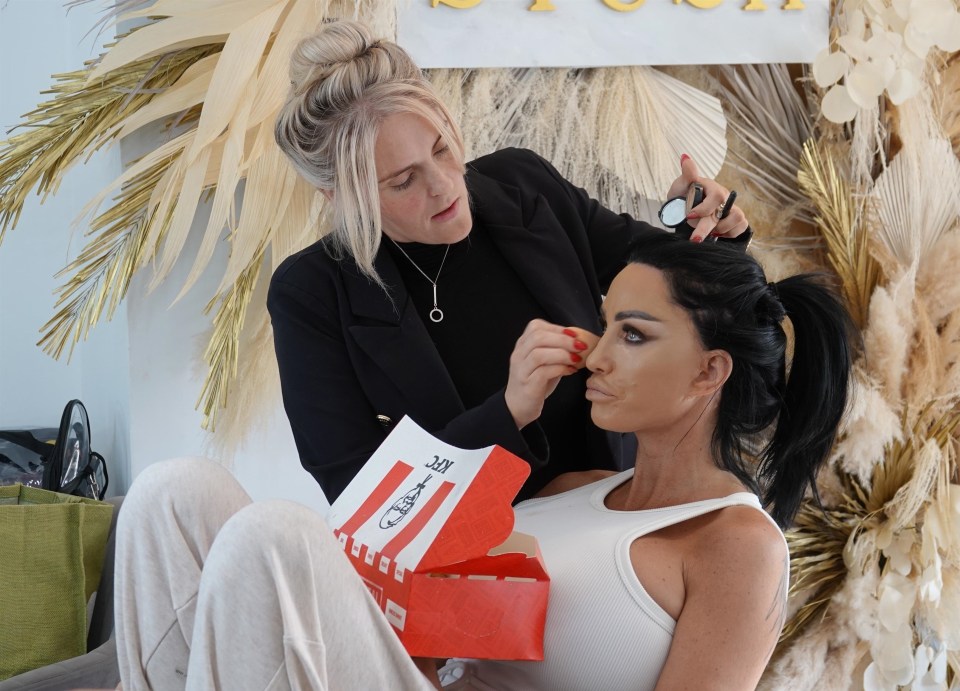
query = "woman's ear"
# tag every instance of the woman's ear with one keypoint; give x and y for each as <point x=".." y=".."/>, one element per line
<point x="715" y="369"/>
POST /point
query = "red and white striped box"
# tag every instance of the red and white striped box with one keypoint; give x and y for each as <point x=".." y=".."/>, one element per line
<point x="429" y="528"/>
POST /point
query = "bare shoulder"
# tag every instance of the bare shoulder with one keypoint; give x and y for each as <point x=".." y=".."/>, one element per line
<point x="569" y="481"/>
<point x="736" y="572"/>
<point x="740" y="568"/>
<point x="742" y="538"/>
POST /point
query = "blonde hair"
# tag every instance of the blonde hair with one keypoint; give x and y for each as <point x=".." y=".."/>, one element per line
<point x="343" y="84"/>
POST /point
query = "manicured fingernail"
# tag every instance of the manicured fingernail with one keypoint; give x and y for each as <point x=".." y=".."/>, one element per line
<point x="692" y="215"/>
<point x="575" y="358"/>
<point x="570" y="332"/>
<point x="580" y="345"/>
<point x="683" y="157"/>
<point x="696" y="238"/>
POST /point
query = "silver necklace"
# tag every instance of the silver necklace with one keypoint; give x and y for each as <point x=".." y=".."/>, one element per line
<point x="436" y="314"/>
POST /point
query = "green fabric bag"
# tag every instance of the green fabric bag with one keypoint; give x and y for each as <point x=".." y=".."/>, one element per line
<point x="51" y="555"/>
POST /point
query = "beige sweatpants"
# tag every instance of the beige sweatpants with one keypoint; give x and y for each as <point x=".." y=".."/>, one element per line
<point x="214" y="591"/>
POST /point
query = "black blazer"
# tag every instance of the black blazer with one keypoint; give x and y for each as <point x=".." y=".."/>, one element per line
<point x="353" y="360"/>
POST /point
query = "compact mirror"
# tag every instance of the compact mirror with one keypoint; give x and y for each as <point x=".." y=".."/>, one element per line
<point x="674" y="212"/>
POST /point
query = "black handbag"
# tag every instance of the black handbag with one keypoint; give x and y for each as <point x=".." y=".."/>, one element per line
<point x="68" y="465"/>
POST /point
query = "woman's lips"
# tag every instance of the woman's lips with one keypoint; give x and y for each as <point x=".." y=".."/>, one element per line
<point x="595" y="393"/>
<point x="447" y="213"/>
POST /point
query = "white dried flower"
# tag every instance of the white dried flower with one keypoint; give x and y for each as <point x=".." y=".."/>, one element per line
<point x="883" y="47"/>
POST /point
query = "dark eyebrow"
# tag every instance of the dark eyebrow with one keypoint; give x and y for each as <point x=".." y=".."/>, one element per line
<point x="635" y="314"/>
<point x="403" y="170"/>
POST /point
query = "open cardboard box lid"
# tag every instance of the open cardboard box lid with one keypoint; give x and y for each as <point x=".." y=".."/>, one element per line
<point x="436" y="506"/>
<point x="429" y="529"/>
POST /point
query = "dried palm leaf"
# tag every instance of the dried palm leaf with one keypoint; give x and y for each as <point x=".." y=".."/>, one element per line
<point x="900" y="464"/>
<point x="772" y="117"/>
<point x="947" y="101"/>
<point x="665" y="118"/>
<point x="270" y="185"/>
<point x="177" y="25"/>
<point x="839" y="218"/>
<point x="917" y="199"/>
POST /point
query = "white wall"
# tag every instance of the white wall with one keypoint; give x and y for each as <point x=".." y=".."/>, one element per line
<point x="139" y="375"/>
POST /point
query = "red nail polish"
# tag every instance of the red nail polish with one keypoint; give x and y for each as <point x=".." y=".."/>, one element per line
<point x="683" y="157"/>
<point x="570" y="332"/>
<point x="692" y="215"/>
<point x="580" y="345"/>
<point x="696" y="238"/>
<point x="575" y="358"/>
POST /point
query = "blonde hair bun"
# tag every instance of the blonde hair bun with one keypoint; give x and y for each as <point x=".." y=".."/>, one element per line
<point x="348" y="48"/>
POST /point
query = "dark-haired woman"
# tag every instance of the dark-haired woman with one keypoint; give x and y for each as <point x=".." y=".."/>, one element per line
<point x="667" y="576"/>
<point x="671" y="575"/>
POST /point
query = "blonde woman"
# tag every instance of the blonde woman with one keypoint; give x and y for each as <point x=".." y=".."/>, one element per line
<point x="454" y="293"/>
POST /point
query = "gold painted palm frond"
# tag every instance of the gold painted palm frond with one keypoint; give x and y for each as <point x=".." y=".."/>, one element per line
<point x="222" y="354"/>
<point x="839" y="217"/>
<point x="820" y="538"/>
<point x="81" y="118"/>
<point x="102" y="272"/>
<point x="817" y="569"/>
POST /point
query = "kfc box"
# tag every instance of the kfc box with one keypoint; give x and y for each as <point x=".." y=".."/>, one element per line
<point x="429" y="528"/>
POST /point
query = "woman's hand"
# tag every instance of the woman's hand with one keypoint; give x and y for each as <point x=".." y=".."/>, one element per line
<point x="704" y="216"/>
<point x="543" y="353"/>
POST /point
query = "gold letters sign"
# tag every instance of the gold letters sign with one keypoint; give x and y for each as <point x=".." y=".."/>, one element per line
<point x="606" y="33"/>
<point x="620" y="6"/>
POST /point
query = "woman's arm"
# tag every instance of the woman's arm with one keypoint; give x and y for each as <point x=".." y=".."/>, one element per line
<point x="735" y="601"/>
<point x="600" y="235"/>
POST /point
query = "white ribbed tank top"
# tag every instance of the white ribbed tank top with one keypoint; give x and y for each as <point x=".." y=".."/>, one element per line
<point x="603" y="631"/>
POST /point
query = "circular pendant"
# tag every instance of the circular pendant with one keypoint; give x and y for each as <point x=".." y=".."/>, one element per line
<point x="436" y="315"/>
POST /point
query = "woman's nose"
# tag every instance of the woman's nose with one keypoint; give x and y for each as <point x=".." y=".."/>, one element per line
<point x="439" y="182"/>
<point x="597" y="359"/>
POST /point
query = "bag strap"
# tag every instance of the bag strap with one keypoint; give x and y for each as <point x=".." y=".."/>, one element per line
<point x="103" y="467"/>
<point x="29" y="468"/>
<point x="88" y="470"/>
<point x="28" y="441"/>
<point x="82" y="475"/>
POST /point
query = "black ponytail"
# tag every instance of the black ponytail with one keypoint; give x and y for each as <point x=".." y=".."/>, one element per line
<point x="735" y="309"/>
<point x="815" y="396"/>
